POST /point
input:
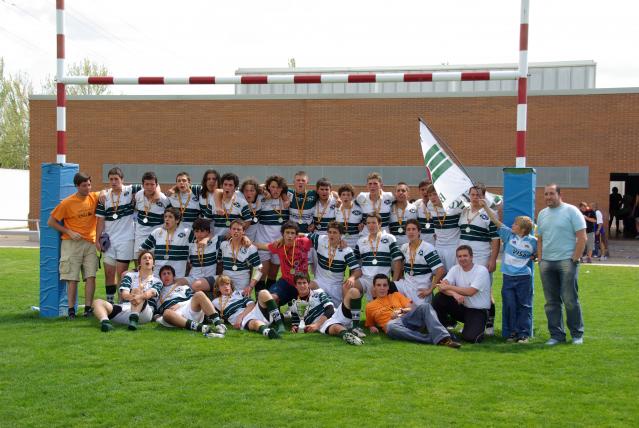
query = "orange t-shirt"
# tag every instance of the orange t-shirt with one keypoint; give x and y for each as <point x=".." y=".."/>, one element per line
<point x="78" y="214"/>
<point x="380" y="311"/>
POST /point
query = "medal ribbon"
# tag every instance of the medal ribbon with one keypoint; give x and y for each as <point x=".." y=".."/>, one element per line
<point x="300" y="211"/>
<point x="167" y="242"/>
<point x="370" y="241"/>
<point x="400" y="220"/>
<point x="321" y="216"/>
<point x="292" y="254"/>
<point x="226" y="210"/>
<point x="183" y="205"/>
<point x="412" y="253"/>
<point x="114" y="204"/>
<point x="346" y="216"/>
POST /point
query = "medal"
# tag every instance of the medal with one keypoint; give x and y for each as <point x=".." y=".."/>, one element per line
<point x="234" y="267"/>
<point x="300" y="221"/>
<point x="400" y="230"/>
<point x="374" y="260"/>
<point x="228" y="223"/>
<point x="145" y="220"/>
<point x="280" y="220"/>
<point x="254" y="219"/>
<point x="410" y="273"/>
<point x="166" y="257"/>
<point x="292" y="271"/>
<point x="427" y="226"/>
<point x="467" y="229"/>
<point x="115" y="216"/>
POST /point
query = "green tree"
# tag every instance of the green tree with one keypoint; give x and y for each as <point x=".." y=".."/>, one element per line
<point x="14" y="119"/>
<point x="86" y="67"/>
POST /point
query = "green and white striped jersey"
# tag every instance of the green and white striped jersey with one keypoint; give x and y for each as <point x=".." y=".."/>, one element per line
<point x="318" y="301"/>
<point x="382" y="206"/>
<point x="153" y="212"/>
<point x="235" y="208"/>
<point x="272" y="216"/>
<point x="397" y="213"/>
<point x="426" y="261"/>
<point x="324" y="214"/>
<point x="350" y="218"/>
<point x="170" y="250"/>
<point x="446" y="224"/>
<point x="117" y="212"/>
<point x="244" y="260"/>
<point x="333" y="274"/>
<point x="230" y="307"/>
<point x="477" y="230"/>
<point x="302" y="208"/>
<point x="425" y="221"/>
<point x="188" y="203"/>
<point x="173" y="294"/>
<point x="377" y="257"/>
<point x="203" y="261"/>
<point x="132" y="280"/>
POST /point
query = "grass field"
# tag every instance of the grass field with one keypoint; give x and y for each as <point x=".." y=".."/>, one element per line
<point x="55" y="372"/>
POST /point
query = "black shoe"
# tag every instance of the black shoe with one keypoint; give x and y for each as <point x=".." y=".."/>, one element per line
<point x="88" y="312"/>
<point x="71" y="314"/>
<point x="447" y="341"/>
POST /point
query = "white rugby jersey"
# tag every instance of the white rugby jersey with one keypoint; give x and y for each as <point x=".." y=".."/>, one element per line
<point x="350" y="218"/>
<point x="424" y="263"/>
<point x="425" y="221"/>
<point x="207" y="206"/>
<point x="382" y="207"/>
<point x="152" y="211"/>
<point x="397" y="229"/>
<point x="131" y="281"/>
<point x="117" y="212"/>
<point x="235" y="208"/>
<point x="203" y="261"/>
<point x="324" y="214"/>
<point x="302" y="207"/>
<point x="318" y="301"/>
<point x="445" y="222"/>
<point x="377" y="257"/>
<point x="188" y="203"/>
<point x="272" y="216"/>
<point x="341" y="258"/>
<point x="244" y="260"/>
<point x="170" y="250"/>
<point x="172" y="294"/>
<point x="253" y="207"/>
<point x="477" y="231"/>
<point x="230" y="307"/>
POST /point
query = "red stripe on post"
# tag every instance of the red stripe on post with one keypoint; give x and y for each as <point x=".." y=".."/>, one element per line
<point x="202" y="80"/>
<point x="61" y="142"/>
<point x="315" y="78"/>
<point x="418" y="77"/>
<point x="522" y="90"/>
<point x="475" y="75"/>
<point x="101" y="80"/>
<point x="61" y="96"/>
<point x="254" y="80"/>
<point x="361" y="78"/>
<point x="60" y="45"/>
<point x="59" y="4"/>
<point x="521" y="144"/>
<point x="523" y="37"/>
<point x="151" y="80"/>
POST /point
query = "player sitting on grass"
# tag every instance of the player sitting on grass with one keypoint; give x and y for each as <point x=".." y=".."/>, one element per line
<point x="180" y="307"/>
<point x="139" y="291"/>
<point x="265" y="317"/>
<point x="232" y="305"/>
<point x="403" y="321"/>
<point x="319" y="314"/>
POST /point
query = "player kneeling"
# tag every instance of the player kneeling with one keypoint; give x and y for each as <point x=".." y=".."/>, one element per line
<point x="139" y="291"/>
<point x="181" y="307"/>
<point x="265" y="317"/>
<point x="314" y="311"/>
<point x="232" y="305"/>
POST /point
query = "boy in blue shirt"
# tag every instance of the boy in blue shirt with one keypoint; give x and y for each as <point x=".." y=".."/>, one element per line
<point x="517" y="288"/>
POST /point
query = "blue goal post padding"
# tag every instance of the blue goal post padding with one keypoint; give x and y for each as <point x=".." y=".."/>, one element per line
<point x="57" y="184"/>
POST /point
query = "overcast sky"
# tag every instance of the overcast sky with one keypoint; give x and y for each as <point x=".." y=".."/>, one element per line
<point x="197" y="37"/>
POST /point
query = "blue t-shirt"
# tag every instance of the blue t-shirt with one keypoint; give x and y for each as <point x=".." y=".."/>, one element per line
<point x="517" y="252"/>
<point x="557" y="228"/>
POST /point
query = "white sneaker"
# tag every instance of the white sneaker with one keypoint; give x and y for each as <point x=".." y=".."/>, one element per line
<point x="552" y="342"/>
<point x="490" y="331"/>
<point x="604" y="258"/>
<point x="351" y="339"/>
<point x="358" y="332"/>
<point x="214" y="336"/>
<point x="206" y="329"/>
<point x="578" y="341"/>
<point x="220" y="328"/>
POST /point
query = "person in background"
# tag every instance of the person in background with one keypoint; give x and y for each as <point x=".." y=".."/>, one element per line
<point x="591" y="222"/>
<point x="615" y="203"/>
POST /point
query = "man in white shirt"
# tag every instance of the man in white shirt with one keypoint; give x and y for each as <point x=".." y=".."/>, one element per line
<point x="464" y="296"/>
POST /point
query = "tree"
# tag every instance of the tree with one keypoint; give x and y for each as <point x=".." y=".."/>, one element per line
<point x="14" y="120"/>
<point x="86" y="67"/>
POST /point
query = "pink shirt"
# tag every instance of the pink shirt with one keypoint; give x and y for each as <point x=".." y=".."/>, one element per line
<point x="299" y="256"/>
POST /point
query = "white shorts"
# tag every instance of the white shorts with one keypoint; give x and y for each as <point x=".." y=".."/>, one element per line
<point x="184" y="309"/>
<point x="337" y="318"/>
<point x="266" y="256"/>
<point x="367" y="285"/>
<point x="409" y="289"/>
<point x="448" y="256"/>
<point x="255" y="314"/>
<point x="122" y="250"/>
<point x="123" y="316"/>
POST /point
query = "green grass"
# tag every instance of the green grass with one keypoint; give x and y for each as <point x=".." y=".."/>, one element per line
<point x="55" y="373"/>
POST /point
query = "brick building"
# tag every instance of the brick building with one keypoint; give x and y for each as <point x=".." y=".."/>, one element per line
<point x="576" y="137"/>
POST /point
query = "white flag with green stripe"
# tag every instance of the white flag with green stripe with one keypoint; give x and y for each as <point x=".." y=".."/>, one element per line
<point x="449" y="179"/>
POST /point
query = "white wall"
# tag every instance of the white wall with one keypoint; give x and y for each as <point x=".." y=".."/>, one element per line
<point x="15" y="198"/>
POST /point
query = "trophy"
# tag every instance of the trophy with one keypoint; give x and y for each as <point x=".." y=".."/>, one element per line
<point x="302" y="307"/>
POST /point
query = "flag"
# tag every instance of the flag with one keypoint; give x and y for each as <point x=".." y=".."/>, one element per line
<point x="449" y="179"/>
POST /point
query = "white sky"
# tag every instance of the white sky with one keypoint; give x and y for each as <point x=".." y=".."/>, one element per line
<point x="197" y="37"/>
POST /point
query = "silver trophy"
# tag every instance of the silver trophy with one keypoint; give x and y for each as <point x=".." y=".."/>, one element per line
<point x="302" y="307"/>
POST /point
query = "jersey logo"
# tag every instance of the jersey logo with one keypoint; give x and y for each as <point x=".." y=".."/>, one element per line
<point x="385" y="241"/>
<point x="195" y="198"/>
<point x="421" y="252"/>
<point x="126" y="193"/>
<point x="357" y="212"/>
<point x="181" y="235"/>
<point x="243" y="250"/>
<point x="412" y="210"/>
<point x="483" y="216"/>
<point x="159" y="204"/>
<point x="236" y="204"/>
<point x="388" y="202"/>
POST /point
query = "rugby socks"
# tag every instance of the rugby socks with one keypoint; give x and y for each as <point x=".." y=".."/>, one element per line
<point x="110" y="293"/>
<point x="192" y="325"/>
<point x="268" y="332"/>
<point x="356" y="309"/>
<point x="276" y="317"/>
<point x="134" y="318"/>
<point x="106" y="326"/>
<point x="215" y="319"/>
<point x="491" y="316"/>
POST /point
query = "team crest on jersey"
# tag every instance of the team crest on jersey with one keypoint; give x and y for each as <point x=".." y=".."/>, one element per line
<point x="236" y="204"/>
<point x="412" y="210"/>
<point x="357" y="212"/>
<point x="160" y="204"/>
<point x="126" y="193"/>
<point x="243" y="250"/>
<point x="388" y="202"/>
<point x="385" y="241"/>
<point x="483" y="216"/>
<point x="421" y="252"/>
<point x="195" y="198"/>
<point x="181" y="235"/>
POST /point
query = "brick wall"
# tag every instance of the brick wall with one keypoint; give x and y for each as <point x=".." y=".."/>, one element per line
<point x="599" y="131"/>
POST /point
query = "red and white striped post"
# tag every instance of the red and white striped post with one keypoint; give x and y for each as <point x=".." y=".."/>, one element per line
<point x="61" y="97"/>
<point x="522" y="87"/>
